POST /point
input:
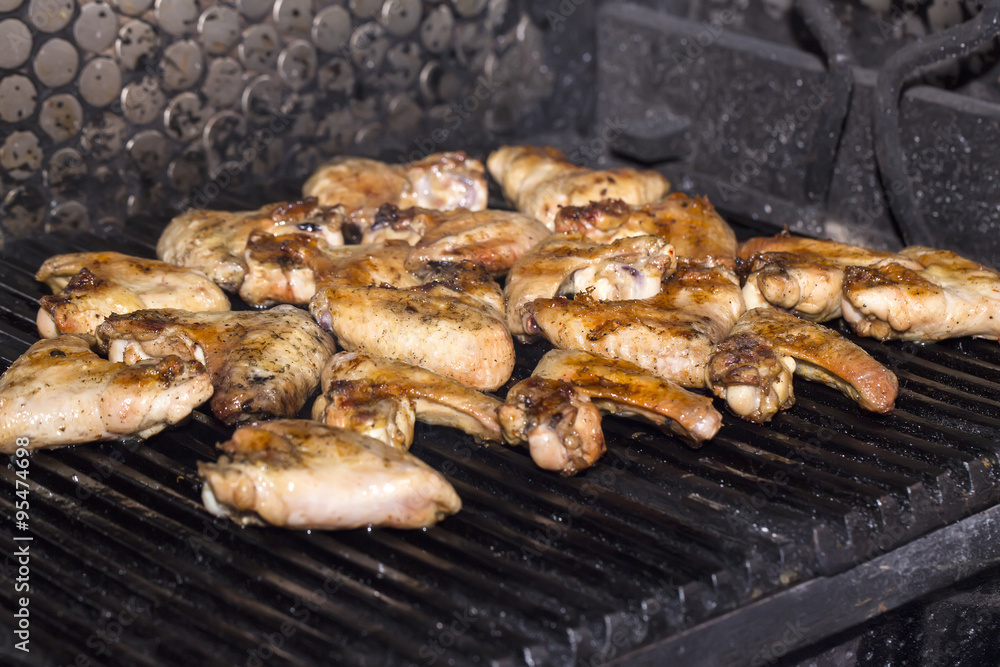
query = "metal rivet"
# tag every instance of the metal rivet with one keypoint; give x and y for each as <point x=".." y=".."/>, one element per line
<point x="254" y="9"/>
<point x="404" y="65"/>
<point x="401" y="17"/>
<point x="96" y="27"/>
<point x="262" y="99"/>
<point x="469" y="8"/>
<point x="187" y="171"/>
<point x="260" y="46"/>
<point x="181" y="65"/>
<point x="293" y="15"/>
<point x="66" y="171"/>
<point x="149" y="151"/>
<point x="435" y="31"/>
<point x="56" y="63"/>
<point x="331" y="29"/>
<point x="17" y="98"/>
<point x="132" y="7"/>
<point x="104" y="137"/>
<point x="24" y="208"/>
<point x="297" y="64"/>
<point x="100" y="82"/>
<point x="50" y="15"/>
<point x="223" y="82"/>
<point x="9" y="6"/>
<point x="177" y="17"/>
<point x="337" y="75"/>
<point x="219" y="28"/>
<point x="368" y="46"/>
<point x="222" y="136"/>
<point x="143" y="100"/>
<point x="185" y="117"/>
<point x="137" y="44"/>
<point x="61" y="117"/>
<point x="20" y="155"/>
<point x="69" y="216"/>
<point x="366" y="9"/>
<point x="16" y="40"/>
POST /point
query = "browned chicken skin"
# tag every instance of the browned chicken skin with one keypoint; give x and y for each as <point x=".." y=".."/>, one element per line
<point x="304" y="475"/>
<point x="801" y="275"/>
<point x="559" y="423"/>
<point x="381" y="398"/>
<point x="750" y="369"/>
<point x="441" y="181"/>
<point x="263" y="364"/>
<point x="540" y="181"/>
<point x="946" y="297"/>
<point x="89" y="286"/>
<point x="671" y="335"/>
<point x="621" y="388"/>
<point x="570" y="263"/>
<point x="214" y="242"/>
<point x="689" y="224"/>
<point x="60" y="392"/>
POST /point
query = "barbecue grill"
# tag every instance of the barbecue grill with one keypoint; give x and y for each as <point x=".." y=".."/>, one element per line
<point x="766" y="541"/>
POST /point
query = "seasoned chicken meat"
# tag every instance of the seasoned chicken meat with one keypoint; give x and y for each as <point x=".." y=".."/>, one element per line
<point x="559" y="423"/>
<point x="381" y="398"/>
<point x="629" y="268"/>
<point x="621" y="388"/>
<point x="750" y="369"/>
<point x="60" y="392"/>
<point x="305" y="475"/>
<point x="441" y="181"/>
<point x="671" y="335"/>
<point x="540" y="181"/>
<point x="262" y="364"/>
<point x="89" y="286"/>
<point x="214" y="242"/>
<point x="803" y="276"/>
<point x="689" y="224"/>
<point x="946" y="297"/>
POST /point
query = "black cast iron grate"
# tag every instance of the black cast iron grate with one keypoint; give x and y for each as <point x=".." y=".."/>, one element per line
<point x="654" y="542"/>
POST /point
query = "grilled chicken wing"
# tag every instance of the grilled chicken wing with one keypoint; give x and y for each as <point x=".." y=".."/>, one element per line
<point x="691" y="225"/>
<point x="946" y="297"/>
<point x="304" y="475"/>
<point x="263" y="364"/>
<point x="671" y="335"/>
<point x="61" y="393"/>
<point x="629" y="268"/>
<point x="381" y="397"/>
<point x="89" y="286"/>
<point x="214" y="242"/>
<point x="539" y="181"/>
<point x="750" y="369"/>
<point x="621" y="388"/>
<point x="442" y="181"/>
<point x="559" y="423"/>
<point x="804" y="276"/>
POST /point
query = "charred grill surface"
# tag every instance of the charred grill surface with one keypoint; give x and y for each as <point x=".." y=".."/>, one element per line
<point x="654" y="539"/>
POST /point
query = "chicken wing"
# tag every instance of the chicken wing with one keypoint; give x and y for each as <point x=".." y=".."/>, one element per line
<point x="304" y="475"/>
<point x="539" y="181"/>
<point x="946" y="297"/>
<point x="60" y="392"/>
<point x="804" y="276"/>
<point x="89" y="286"/>
<point x="751" y="369"/>
<point x="671" y="335"/>
<point x="629" y="268"/>
<point x="441" y="181"/>
<point x="359" y="390"/>
<point x="621" y="388"/>
<point x="262" y="364"/>
<point x="689" y="224"/>
<point x="214" y="242"/>
<point x="559" y="423"/>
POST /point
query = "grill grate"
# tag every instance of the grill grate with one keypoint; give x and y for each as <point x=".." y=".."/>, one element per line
<point x="653" y="541"/>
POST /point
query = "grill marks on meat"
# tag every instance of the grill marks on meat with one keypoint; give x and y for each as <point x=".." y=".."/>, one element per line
<point x="558" y="422"/>
<point x="540" y="181"/>
<point x="90" y="286"/>
<point x="262" y="364"/>
<point x="304" y="475"/>
<point x="60" y="392"/>
<point x="947" y="296"/>
<point x="571" y="263"/>
<point x="671" y="335"/>
<point x="803" y="276"/>
<point x="751" y="369"/>
<point x="441" y="181"/>
<point x="622" y="388"/>
<point x="381" y="398"/>
<point x="214" y="242"/>
<point x="690" y="224"/>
